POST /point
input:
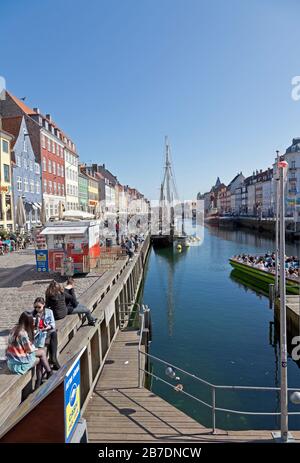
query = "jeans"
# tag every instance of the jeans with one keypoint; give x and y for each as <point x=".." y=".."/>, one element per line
<point x="81" y="309"/>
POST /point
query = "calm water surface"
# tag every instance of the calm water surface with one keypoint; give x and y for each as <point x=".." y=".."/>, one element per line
<point x="211" y="325"/>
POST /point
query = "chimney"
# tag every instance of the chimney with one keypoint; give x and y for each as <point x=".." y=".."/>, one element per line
<point x="37" y="110"/>
<point x="48" y="116"/>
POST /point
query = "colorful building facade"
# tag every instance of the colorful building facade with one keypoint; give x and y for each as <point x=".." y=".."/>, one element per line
<point x="26" y="172"/>
<point x="6" y="194"/>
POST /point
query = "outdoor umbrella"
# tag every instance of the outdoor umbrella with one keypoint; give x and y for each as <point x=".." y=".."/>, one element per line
<point x="43" y="213"/>
<point x="20" y="214"/>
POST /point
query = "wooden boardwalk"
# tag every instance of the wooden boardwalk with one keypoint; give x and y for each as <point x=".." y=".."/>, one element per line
<point x="120" y="411"/>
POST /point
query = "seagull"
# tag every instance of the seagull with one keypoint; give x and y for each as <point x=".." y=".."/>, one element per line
<point x="23" y="99"/>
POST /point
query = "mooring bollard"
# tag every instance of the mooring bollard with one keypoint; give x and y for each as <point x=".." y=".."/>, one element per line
<point x="271" y="294"/>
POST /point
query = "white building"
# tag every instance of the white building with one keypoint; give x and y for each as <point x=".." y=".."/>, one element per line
<point x="71" y="179"/>
<point x="292" y="156"/>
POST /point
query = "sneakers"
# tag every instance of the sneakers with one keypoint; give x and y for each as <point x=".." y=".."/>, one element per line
<point x="93" y="322"/>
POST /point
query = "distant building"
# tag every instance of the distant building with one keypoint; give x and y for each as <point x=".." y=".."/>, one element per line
<point x="26" y="172"/>
<point x="83" y="191"/>
<point x="71" y="175"/>
<point x="6" y="195"/>
<point x="48" y="144"/>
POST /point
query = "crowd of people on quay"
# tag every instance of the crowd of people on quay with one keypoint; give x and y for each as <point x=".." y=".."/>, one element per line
<point x="33" y="342"/>
<point x="131" y="244"/>
<point x="13" y="242"/>
<point x="267" y="263"/>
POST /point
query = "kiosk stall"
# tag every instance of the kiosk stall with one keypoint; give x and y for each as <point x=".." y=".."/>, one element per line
<point x="73" y="247"/>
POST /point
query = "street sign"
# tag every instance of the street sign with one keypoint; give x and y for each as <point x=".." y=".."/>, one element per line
<point x="72" y="398"/>
<point x="41" y="257"/>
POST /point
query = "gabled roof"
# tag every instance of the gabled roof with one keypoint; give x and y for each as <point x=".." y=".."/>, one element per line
<point x="26" y="109"/>
<point x="12" y="125"/>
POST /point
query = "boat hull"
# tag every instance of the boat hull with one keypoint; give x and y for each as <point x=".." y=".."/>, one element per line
<point x="260" y="278"/>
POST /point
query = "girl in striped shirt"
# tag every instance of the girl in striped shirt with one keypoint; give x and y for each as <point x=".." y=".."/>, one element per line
<point x="21" y="354"/>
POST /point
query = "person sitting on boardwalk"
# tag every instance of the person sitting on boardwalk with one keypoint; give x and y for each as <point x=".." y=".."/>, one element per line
<point x="46" y="331"/>
<point x="56" y="301"/>
<point x="21" y="354"/>
<point x="73" y="305"/>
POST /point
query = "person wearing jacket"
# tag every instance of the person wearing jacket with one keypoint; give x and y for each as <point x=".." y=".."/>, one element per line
<point x="56" y="301"/>
<point x="73" y="305"/>
<point x="45" y="325"/>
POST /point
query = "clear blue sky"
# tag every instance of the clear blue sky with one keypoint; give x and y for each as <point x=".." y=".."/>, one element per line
<point x="117" y="75"/>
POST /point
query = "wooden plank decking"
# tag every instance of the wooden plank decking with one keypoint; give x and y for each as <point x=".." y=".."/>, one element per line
<point x="120" y="411"/>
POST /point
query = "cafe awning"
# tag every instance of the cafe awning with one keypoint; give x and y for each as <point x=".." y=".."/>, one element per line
<point x="64" y="231"/>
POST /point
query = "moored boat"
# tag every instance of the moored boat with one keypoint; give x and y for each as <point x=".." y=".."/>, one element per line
<point x="262" y="278"/>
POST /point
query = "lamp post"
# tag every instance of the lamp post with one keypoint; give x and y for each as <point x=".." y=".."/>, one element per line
<point x="277" y="225"/>
<point x="282" y="166"/>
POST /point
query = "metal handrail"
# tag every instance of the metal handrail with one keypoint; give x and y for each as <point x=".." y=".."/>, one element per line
<point x="214" y="387"/>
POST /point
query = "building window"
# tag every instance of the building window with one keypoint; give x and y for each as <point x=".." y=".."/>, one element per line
<point x="293" y="166"/>
<point x="53" y="147"/>
<point x="6" y="173"/>
<point x="24" y="143"/>
<point x="31" y="164"/>
<point x="49" y="166"/>
<point x="19" y="183"/>
<point x="25" y="163"/>
<point x="37" y="169"/>
<point x="54" y="188"/>
<point x="44" y="164"/>
<point x="68" y="189"/>
<point x="26" y="185"/>
<point x="5" y="146"/>
<point x="50" y="187"/>
<point x="48" y="144"/>
<point x="58" y="189"/>
<point x="37" y="187"/>
<point x="31" y="186"/>
<point x="43" y="141"/>
<point x="58" y="170"/>
<point x="62" y="190"/>
<point x="45" y="186"/>
<point x="57" y="150"/>
<point x="19" y="161"/>
<point x="62" y="171"/>
<point x="54" y="168"/>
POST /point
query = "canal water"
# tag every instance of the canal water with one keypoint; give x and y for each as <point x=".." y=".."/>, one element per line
<point x="211" y="325"/>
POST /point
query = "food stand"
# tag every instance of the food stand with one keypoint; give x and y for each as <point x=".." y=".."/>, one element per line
<point x="73" y="247"/>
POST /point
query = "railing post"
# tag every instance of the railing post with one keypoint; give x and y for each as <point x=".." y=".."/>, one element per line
<point x="271" y="295"/>
<point x="213" y="410"/>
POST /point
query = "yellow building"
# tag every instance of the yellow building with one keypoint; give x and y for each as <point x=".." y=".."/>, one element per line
<point x="6" y="195"/>
<point x="93" y="194"/>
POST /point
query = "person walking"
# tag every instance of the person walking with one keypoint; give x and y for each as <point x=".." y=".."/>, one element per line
<point x="46" y="330"/>
<point x="73" y="305"/>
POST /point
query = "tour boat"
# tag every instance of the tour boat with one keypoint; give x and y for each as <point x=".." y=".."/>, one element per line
<point x="262" y="278"/>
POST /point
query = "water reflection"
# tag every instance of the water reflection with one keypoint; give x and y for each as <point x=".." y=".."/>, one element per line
<point x="209" y="322"/>
<point x="170" y="257"/>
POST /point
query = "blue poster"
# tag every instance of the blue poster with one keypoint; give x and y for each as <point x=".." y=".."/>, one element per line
<point x="41" y="257"/>
<point x="72" y="399"/>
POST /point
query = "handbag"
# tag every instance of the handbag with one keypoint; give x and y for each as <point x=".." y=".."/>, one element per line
<point x="40" y="338"/>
